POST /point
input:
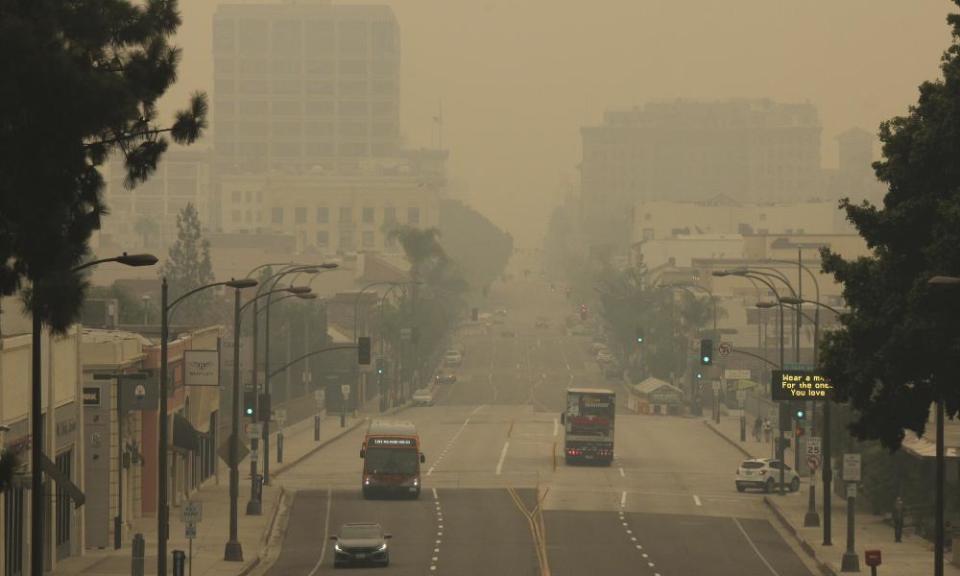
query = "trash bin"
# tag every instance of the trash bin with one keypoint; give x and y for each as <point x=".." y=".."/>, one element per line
<point x="179" y="563"/>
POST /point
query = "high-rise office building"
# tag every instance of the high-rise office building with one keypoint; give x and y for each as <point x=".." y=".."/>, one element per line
<point x="748" y="150"/>
<point x="304" y="87"/>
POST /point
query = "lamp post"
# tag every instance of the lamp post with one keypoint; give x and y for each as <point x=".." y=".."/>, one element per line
<point x="827" y="470"/>
<point x="37" y="520"/>
<point x="254" y="504"/>
<point x="688" y="288"/>
<point x="762" y="279"/>
<point x="163" y="520"/>
<point x="273" y="281"/>
<point x="939" y="537"/>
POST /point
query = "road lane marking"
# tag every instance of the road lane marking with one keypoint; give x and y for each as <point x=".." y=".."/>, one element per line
<point x="754" y="546"/>
<point x="454" y="439"/>
<point x="555" y="426"/>
<point x="696" y="500"/>
<point x="326" y="534"/>
<point x="622" y="473"/>
<point x="503" y="455"/>
<point x="537" y="528"/>
<point x="435" y="495"/>
<point x="623" y="499"/>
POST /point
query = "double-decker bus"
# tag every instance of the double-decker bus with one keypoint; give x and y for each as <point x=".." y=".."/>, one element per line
<point x="588" y="425"/>
<point x="391" y="459"/>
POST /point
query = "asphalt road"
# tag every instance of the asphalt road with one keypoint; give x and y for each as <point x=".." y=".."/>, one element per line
<point x="497" y="501"/>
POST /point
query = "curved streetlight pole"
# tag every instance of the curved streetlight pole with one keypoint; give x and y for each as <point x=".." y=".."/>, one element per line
<point x="37" y="520"/>
<point x="254" y="505"/>
<point x="762" y="279"/>
<point x="273" y="281"/>
<point x="233" y="552"/>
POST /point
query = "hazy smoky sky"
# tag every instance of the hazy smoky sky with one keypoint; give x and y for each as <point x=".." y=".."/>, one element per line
<point x="518" y="78"/>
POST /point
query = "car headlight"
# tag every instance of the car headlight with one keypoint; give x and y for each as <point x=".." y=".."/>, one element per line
<point x="416" y="481"/>
<point x="382" y="548"/>
<point x="337" y="547"/>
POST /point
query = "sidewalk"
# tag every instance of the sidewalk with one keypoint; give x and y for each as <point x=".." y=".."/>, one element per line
<point x="213" y="530"/>
<point x="913" y="556"/>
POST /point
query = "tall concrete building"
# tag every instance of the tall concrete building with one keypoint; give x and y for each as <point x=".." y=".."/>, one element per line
<point x="304" y="87"/>
<point x="748" y="150"/>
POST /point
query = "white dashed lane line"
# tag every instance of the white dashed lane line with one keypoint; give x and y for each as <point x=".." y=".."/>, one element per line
<point x="435" y="557"/>
<point x="452" y="441"/>
<point x="631" y="535"/>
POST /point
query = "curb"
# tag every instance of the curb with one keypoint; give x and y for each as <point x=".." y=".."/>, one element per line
<point x="824" y="568"/>
<point x="728" y="440"/>
<point x="265" y="537"/>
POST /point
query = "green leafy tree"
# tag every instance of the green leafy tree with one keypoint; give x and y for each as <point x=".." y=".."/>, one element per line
<point x="898" y="348"/>
<point x="188" y="266"/>
<point x="82" y="79"/>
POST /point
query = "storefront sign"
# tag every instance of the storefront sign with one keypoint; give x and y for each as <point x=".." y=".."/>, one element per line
<point x="91" y="395"/>
<point x="201" y="368"/>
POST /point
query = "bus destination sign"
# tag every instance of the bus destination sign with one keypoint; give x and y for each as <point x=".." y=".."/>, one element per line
<point x="788" y="385"/>
<point x="397" y="442"/>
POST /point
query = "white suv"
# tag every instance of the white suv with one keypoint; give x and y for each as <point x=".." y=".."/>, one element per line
<point x="453" y="358"/>
<point x="764" y="473"/>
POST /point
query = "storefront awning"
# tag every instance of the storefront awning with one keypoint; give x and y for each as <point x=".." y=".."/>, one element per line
<point x="185" y="436"/>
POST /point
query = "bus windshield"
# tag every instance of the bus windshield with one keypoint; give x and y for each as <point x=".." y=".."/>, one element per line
<point x="391" y="461"/>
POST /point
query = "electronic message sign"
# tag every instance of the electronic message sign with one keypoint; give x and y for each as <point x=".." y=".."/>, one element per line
<point x="788" y="385"/>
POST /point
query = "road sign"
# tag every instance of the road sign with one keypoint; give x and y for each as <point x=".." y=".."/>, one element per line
<point x="191" y="512"/>
<point x="813" y="462"/>
<point x="224" y="451"/>
<point x="716" y="386"/>
<point x="799" y="385"/>
<point x="319" y="396"/>
<point x="345" y="390"/>
<point x="851" y="467"/>
<point x="280" y="415"/>
<point x="851" y="489"/>
<point x="725" y="348"/>
<point x="254" y="430"/>
<point x="813" y="446"/>
<point x="736" y="374"/>
<point x="872" y="557"/>
<point x="191" y="530"/>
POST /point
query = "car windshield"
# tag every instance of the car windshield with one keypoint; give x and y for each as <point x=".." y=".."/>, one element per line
<point x="751" y="464"/>
<point x="360" y="531"/>
<point x="391" y="461"/>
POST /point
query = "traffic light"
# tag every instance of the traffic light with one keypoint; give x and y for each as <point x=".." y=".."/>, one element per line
<point x="249" y="404"/>
<point x="639" y="335"/>
<point x="706" y="352"/>
<point x="363" y="350"/>
<point x="699" y="375"/>
<point x="381" y="367"/>
<point x="583" y="312"/>
<point x="799" y="413"/>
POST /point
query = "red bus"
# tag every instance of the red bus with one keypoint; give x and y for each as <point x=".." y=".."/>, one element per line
<point x="391" y="459"/>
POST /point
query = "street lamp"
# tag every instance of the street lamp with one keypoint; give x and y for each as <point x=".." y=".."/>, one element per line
<point x="234" y="551"/>
<point x="827" y="471"/>
<point x="759" y="277"/>
<point x="254" y="505"/>
<point x="36" y="410"/>
<point x="944" y="282"/>
<point x="272" y="281"/>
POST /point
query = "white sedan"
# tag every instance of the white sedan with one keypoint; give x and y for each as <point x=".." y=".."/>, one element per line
<point x="423" y="397"/>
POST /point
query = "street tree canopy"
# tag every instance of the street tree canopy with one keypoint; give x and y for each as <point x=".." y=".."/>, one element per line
<point x="898" y="348"/>
<point x="80" y="81"/>
<point x="188" y="266"/>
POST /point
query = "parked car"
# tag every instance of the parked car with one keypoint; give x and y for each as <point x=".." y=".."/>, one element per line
<point x="361" y="543"/>
<point x="423" y="397"/>
<point x="446" y="378"/>
<point x="452" y="357"/>
<point x="764" y="473"/>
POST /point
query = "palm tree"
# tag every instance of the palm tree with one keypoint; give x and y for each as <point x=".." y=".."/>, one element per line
<point x="148" y="229"/>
